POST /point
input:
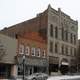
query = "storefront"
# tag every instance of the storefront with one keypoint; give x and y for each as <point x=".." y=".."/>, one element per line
<point x="73" y="66"/>
<point x="53" y="64"/>
<point x="32" y="65"/>
<point x="5" y="70"/>
<point x="64" y="66"/>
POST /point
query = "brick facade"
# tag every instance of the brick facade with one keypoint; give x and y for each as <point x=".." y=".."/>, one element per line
<point x="33" y="40"/>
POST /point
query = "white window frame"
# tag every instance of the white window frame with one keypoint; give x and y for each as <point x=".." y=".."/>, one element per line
<point x="33" y="51"/>
<point x="21" y="49"/>
<point x="38" y="52"/>
<point x="27" y="50"/>
<point x="44" y="54"/>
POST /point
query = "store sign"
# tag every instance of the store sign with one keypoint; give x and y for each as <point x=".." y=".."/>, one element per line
<point x="65" y="63"/>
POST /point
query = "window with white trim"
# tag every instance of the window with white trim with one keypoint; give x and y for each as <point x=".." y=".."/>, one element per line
<point x="21" y="49"/>
<point x="27" y="50"/>
<point x="44" y="54"/>
<point x="38" y="52"/>
<point x="33" y="51"/>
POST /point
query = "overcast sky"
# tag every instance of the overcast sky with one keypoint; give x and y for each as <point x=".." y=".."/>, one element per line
<point x="16" y="11"/>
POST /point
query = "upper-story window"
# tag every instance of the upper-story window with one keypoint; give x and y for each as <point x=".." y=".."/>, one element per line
<point x="51" y="47"/>
<point x="27" y="50"/>
<point x="75" y="52"/>
<point x="51" y="30"/>
<point x="56" y="32"/>
<point x="62" y="33"/>
<point x="33" y="51"/>
<point x="74" y="39"/>
<point x="71" y="38"/>
<point x="66" y="35"/>
<point x="21" y="49"/>
<point x="56" y="48"/>
<point x="44" y="54"/>
<point x="62" y="49"/>
<point x="66" y="50"/>
<point x="37" y="52"/>
<point x="71" y="51"/>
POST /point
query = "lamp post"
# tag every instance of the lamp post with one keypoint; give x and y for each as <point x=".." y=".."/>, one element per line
<point x="23" y="67"/>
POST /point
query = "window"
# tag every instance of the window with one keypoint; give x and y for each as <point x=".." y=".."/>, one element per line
<point x="62" y="33"/>
<point x="66" y="35"/>
<point x="21" y="49"/>
<point x="74" y="39"/>
<point x="38" y="52"/>
<point x="56" y="32"/>
<point x="33" y="51"/>
<point x="62" y="50"/>
<point x="71" y="38"/>
<point x="51" y="47"/>
<point x="44" y="54"/>
<point x="56" y="48"/>
<point x="66" y="50"/>
<point x="75" y="52"/>
<point x="20" y="70"/>
<point x="71" y="51"/>
<point x="51" y="30"/>
<point x="27" y="50"/>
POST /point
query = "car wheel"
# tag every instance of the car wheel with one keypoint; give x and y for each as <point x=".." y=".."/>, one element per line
<point x="34" y="79"/>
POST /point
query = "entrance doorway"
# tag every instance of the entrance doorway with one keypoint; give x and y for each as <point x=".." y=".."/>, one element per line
<point x="53" y="68"/>
<point x="64" y="69"/>
<point x="5" y="70"/>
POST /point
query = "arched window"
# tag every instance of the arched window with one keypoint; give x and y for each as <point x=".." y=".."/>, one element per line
<point x="21" y="49"/>
<point x="43" y="54"/>
<point x="27" y="50"/>
<point x="33" y="51"/>
<point x="37" y="51"/>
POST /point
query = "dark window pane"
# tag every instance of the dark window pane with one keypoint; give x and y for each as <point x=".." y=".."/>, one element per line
<point x="51" y="47"/>
<point x="51" y="30"/>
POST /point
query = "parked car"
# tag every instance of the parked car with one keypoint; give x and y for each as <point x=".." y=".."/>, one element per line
<point x="66" y="77"/>
<point x="37" y="76"/>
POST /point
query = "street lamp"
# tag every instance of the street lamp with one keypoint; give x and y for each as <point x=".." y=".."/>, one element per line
<point x="23" y="66"/>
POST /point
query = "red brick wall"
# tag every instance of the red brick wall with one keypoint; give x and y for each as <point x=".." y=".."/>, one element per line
<point x="34" y="24"/>
<point x="33" y="41"/>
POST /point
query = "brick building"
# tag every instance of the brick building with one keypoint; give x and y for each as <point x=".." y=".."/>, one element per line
<point x="60" y="31"/>
<point x="34" y="48"/>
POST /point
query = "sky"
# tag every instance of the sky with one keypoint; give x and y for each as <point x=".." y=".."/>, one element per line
<point x="16" y="11"/>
